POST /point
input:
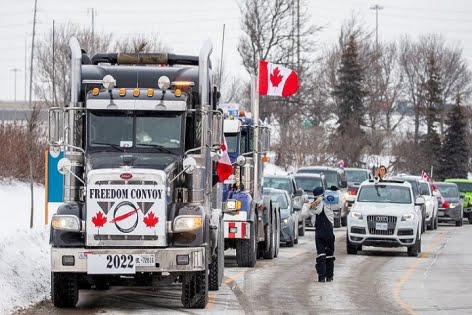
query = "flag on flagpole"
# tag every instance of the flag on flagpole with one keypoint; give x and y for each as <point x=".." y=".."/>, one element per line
<point x="224" y="168"/>
<point x="276" y="80"/>
<point x="425" y="176"/>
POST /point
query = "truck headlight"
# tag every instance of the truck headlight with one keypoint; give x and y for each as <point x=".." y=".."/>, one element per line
<point x="66" y="223"/>
<point x="233" y="205"/>
<point x="285" y="221"/>
<point x="186" y="223"/>
<point x="408" y="217"/>
<point x="356" y="215"/>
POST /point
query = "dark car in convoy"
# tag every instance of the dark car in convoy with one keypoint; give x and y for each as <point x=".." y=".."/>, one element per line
<point x="452" y="209"/>
<point x="288" y="216"/>
<point x="354" y="178"/>
<point x="297" y="195"/>
<point x="334" y="177"/>
<point x="308" y="182"/>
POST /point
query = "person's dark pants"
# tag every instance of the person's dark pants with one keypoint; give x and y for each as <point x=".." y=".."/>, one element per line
<point x="324" y="240"/>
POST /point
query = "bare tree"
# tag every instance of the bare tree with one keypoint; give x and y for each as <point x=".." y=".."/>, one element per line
<point x="141" y="44"/>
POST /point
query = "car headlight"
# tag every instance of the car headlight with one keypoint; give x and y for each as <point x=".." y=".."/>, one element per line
<point x="356" y="215"/>
<point x="453" y="205"/>
<point x="285" y="221"/>
<point x="408" y="217"/>
<point x="233" y="205"/>
<point x="66" y="223"/>
<point x="185" y="223"/>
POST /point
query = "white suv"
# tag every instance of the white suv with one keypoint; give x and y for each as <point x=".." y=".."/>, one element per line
<point x="384" y="215"/>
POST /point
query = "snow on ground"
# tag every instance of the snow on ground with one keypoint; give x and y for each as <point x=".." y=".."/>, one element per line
<point x="24" y="252"/>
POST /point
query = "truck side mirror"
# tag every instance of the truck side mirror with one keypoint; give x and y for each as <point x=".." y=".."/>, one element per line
<point x="56" y="126"/>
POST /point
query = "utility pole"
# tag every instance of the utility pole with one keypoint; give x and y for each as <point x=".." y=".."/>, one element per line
<point x="15" y="70"/>
<point x="298" y="36"/>
<point x="32" y="53"/>
<point x="53" y="64"/>
<point x="376" y="8"/>
<point x="26" y="64"/>
<point x="93" y="14"/>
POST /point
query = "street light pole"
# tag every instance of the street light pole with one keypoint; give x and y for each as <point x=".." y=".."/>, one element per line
<point x="376" y="8"/>
<point x="15" y="70"/>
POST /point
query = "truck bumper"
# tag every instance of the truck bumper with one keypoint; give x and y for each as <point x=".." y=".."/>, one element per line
<point x="237" y="230"/>
<point x="165" y="258"/>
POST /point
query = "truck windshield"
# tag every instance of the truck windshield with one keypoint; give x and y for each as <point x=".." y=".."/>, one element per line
<point x="135" y="129"/>
<point x="232" y="142"/>
<point x="384" y="194"/>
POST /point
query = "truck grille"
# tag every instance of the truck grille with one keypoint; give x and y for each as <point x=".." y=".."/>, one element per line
<point x="373" y="219"/>
<point x="122" y="182"/>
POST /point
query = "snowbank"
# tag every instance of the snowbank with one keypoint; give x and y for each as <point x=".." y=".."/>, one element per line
<point x="24" y="252"/>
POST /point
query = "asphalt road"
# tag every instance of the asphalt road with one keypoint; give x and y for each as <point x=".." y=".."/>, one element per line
<point x="376" y="281"/>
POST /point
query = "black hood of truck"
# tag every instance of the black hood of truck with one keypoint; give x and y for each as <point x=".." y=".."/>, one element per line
<point x="105" y="159"/>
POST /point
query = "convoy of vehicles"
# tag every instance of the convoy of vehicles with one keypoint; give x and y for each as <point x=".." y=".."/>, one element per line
<point x="251" y="220"/>
<point x="465" y="188"/>
<point x="297" y="195"/>
<point x="385" y="214"/>
<point x="141" y="203"/>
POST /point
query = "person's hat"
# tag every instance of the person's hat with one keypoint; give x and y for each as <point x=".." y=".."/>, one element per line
<point x="318" y="191"/>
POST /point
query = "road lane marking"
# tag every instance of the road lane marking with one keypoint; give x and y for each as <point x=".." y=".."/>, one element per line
<point x="406" y="276"/>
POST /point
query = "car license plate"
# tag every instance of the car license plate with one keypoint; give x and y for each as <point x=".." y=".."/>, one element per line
<point x="440" y="213"/>
<point x="381" y="226"/>
<point x="111" y="264"/>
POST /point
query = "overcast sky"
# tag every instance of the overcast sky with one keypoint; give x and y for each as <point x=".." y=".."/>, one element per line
<point x="184" y="25"/>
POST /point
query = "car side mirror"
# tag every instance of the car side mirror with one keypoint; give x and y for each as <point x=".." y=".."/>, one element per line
<point x="299" y="192"/>
<point x="462" y="195"/>
<point x="419" y="201"/>
<point x="343" y="184"/>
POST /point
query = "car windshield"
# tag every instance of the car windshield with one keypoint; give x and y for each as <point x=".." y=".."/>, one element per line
<point x="448" y="191"/>
<point x="308" y="183"/>
<point x="278" y="197"/>
<point x="356" y="176"/>
<point x="425" y="189"/>
<point x="384" y="194"/>
<point x="464" y="187"/>
<point x="278" y="183"/>
<point x="135" y="129"/>
<point x="331" y="176"/>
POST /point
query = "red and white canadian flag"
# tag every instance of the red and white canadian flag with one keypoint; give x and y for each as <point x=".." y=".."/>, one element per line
<point x="276" y="80"/>
<point x="425" y="176"/>
<point x="224" y="168"/>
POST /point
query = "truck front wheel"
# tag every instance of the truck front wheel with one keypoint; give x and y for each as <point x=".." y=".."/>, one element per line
<point x="215" y="278"/>
<point x="246" y="250"/>
<point x="64" y="289"/>
<point x="195" y="289"/>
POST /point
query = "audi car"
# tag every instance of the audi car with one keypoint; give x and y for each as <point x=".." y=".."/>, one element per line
<point x="385" y="214"/>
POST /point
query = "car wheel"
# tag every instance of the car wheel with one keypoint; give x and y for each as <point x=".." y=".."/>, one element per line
<point x="436" y="222"/>
<point x="431" y="225"/>
<point x="415" y="249"/>
<point x="470" y="218"/>
<point x="459" y="223"/>
<point x="350" y="248"/>
<point x="301" y="230"/>
<point x="344" y="221"/>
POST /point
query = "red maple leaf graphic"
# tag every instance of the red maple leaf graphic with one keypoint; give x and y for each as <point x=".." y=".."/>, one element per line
<point x="99" y="219"/>
<point x="275" y="77"/>
<point x="150" y="220"/>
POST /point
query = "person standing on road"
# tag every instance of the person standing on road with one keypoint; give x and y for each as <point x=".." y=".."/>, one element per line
<point x="322" y="217"/>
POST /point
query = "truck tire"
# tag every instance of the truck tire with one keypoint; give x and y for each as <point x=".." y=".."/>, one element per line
<point x="246" y="250"/>
<point x="350" y="248"/>
<point x="271" y="237"/>
<point x="64" y="289"/>
<point x="415" y="249"/>
<point x="301" y="230"/>
<point x="101" y="283"/>
<point x="195" y="289"/>
<point x="215" y="278"/>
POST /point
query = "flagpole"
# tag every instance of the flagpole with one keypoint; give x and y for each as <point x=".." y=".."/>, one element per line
<point x="255" y="112"/>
